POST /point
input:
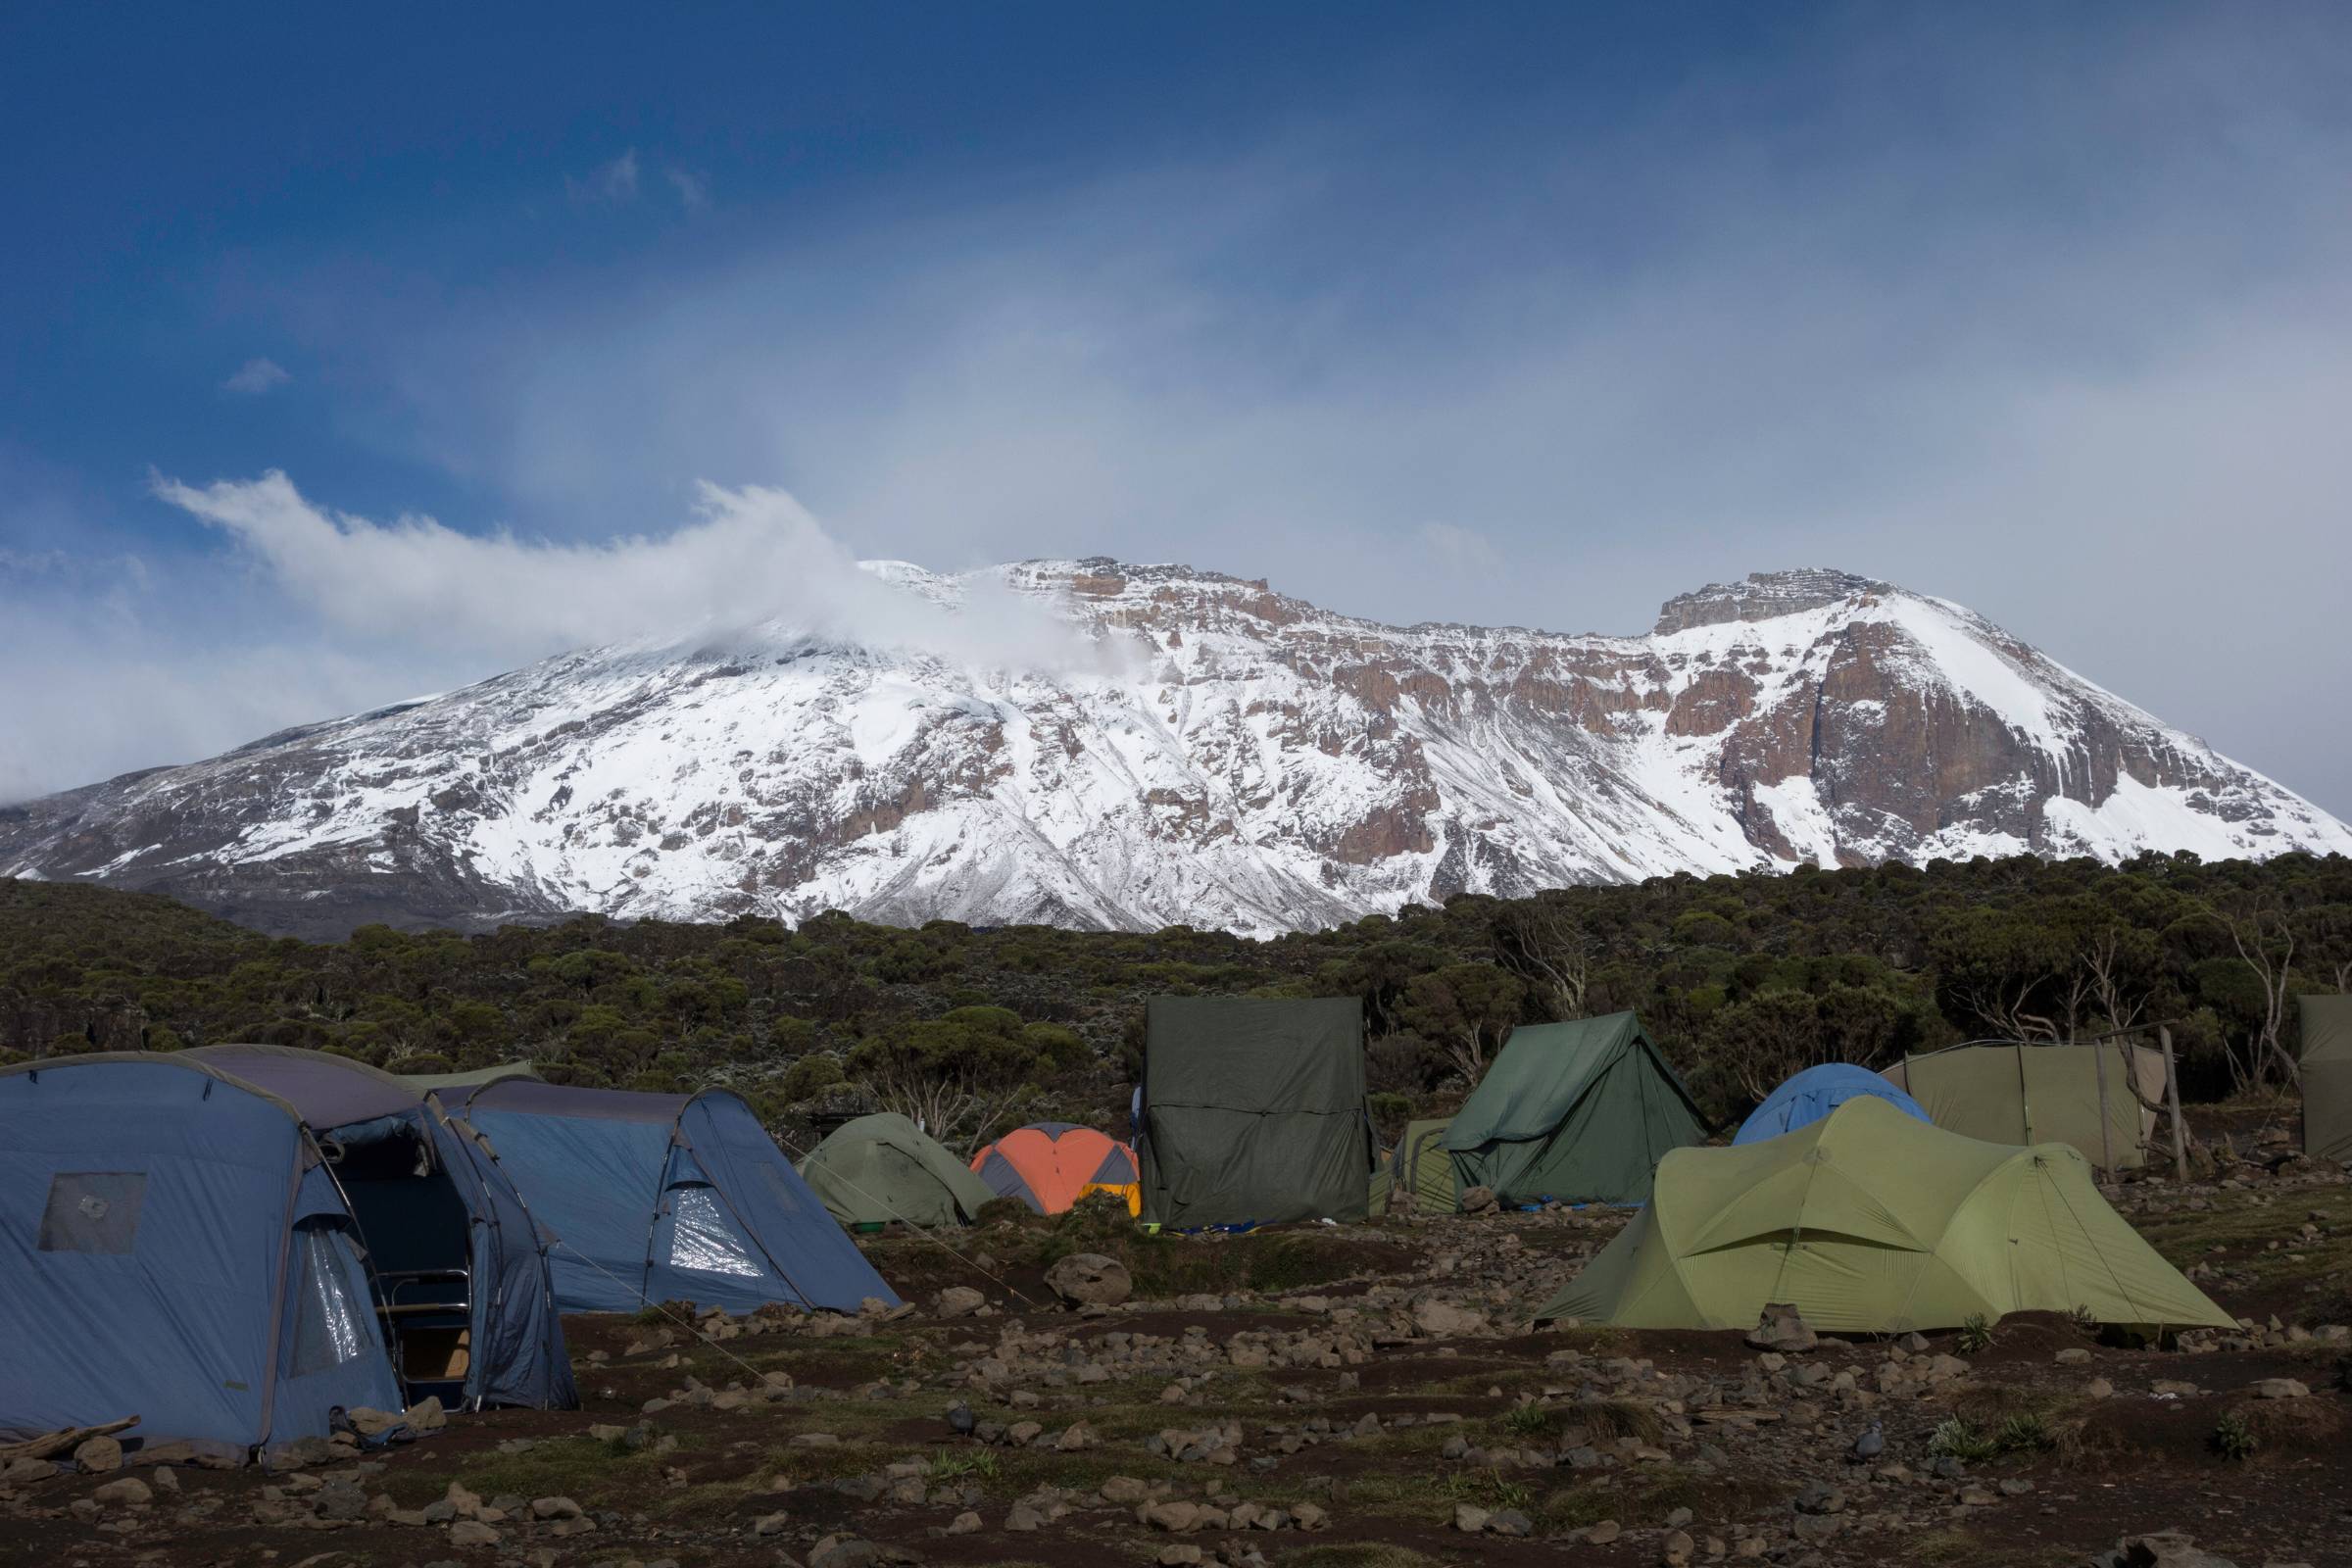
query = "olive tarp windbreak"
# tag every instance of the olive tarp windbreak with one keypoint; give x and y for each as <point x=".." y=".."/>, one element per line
<point x="1573" y="1113"/>
<point x="2325" y="1068"/>
<point x="883" y="1167"/>
<point x="1254" y="1110"/>
<point x="1870" y="1222"/>
<point x="2007" y="1093"/>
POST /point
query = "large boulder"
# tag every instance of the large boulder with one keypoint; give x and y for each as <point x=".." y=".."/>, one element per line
<point x="1090" y="1279"/>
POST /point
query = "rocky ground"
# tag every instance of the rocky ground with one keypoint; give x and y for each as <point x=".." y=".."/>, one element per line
<point x="1313" y="1397"/>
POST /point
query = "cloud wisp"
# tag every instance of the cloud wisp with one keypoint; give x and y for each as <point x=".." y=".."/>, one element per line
<point x="612" y="184"/>
<point x="256" y="376"/>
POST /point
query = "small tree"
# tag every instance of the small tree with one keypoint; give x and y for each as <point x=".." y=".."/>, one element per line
<point x="1466" y="1007"/>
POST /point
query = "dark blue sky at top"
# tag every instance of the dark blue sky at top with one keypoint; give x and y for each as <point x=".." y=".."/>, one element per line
<point x="1525" y="314"/>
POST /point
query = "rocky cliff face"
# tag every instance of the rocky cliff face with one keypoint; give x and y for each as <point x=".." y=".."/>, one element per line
<point x="1202" y="749"/>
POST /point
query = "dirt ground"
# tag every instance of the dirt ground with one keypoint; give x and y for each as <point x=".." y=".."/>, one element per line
<point x="1311" y="1397"/>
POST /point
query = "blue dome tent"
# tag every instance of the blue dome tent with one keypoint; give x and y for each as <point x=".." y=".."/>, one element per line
<point x="660" y="1198"/>
<point x="458" y="1262"/>
<point x="1813" y="1094"/>
<point x="174" y="1246"/>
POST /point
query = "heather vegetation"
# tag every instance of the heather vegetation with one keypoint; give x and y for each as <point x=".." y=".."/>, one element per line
<point x="1742" y="979"/>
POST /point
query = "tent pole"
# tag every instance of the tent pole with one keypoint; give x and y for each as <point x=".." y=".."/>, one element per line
<point x="2098" y="1058"/>
<point x="2172" y="1098"/>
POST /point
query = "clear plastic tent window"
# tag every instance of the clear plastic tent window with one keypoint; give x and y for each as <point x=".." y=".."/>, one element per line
<point x="328" y="1329"/>
<point x="702" y="1240"/>
<point x="92" y="1211"/>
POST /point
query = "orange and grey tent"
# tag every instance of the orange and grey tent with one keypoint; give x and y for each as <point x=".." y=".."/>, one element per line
<point x="1051" y="1164"/>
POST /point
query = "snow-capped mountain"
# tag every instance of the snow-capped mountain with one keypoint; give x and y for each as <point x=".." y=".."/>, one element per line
<point x="1204" y="750"/>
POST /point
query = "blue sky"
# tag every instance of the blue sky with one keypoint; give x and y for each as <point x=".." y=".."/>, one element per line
<point x="1507" y="314"/>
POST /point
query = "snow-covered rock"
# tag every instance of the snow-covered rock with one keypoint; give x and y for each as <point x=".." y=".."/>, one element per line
<point x="1200" y="749"/>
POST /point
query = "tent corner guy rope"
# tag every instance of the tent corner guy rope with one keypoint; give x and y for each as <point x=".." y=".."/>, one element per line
<point x="685" y="1322"/>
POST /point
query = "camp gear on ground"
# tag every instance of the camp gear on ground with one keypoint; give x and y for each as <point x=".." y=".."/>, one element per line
<point x="1049" y="1165"/>
<point x="172" y="1244"/>
<point x="883" y="1167"/>
<point x="659" y="1197"/>
<point x="1870" y="1222"/>
<point x="1573" y="1113"/>
<point x="2324" y="1066"/>
<point x="1807" y="1097"/>
<point x="1254" y="1110"/>
<point x="461" y="1273"/>
<point x="2009" y="1092"/>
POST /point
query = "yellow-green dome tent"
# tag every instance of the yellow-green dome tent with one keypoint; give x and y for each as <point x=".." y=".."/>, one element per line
<point x="1869" y="1221"/>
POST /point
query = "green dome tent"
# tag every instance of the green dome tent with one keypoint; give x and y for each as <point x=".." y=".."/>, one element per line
<point x="427" y="1083"/>
<point x="1871" y="1222"/>
<point x="2325" y="1068"/>
<point x="883" y="1167"/>
<point x="1574" y="1112"/>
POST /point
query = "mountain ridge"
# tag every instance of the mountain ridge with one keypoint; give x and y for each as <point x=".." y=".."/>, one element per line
<point x="1170" y="746"/>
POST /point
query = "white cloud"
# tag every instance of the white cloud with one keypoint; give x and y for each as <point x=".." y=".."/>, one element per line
<point x="694" y="190"/>
<point x="612" y="184"/>
<point x="256" y="376"/>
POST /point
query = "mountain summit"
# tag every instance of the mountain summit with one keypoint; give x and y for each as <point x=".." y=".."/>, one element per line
<point x="1186" y="748"/>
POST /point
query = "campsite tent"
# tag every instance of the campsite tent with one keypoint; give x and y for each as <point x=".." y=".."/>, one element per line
<point x="657" y="1197"/>
<point x="1051" y="1164"/>
<point x="2008" y="1093"/>
<point x="1807" y="1097"/>
<point x="1254" y="1110"/>
<point x="2325" y="1068"/>
<point x="883" y="1167"/>
<point x="1577" y="1112"/>
<point x="172" y="1244"/>
<point x="460" y="1271"/>
<point x="426" y="1083"/>
<point x="1423" y="1169"/>
<point x="1869" y="1222"/>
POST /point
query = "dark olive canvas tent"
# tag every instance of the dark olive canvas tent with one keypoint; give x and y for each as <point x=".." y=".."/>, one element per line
<point x="2008" y="1093"/>
<point x="1254" y="1110"/>
<point x="1573" y="1113"/>
<point x="2325" y="1068"/>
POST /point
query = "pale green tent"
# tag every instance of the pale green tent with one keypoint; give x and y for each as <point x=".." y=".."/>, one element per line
<point x="2009" y="1092"/>
<point x="2325" y="1068"/>
<point x="1573" y="1113"/>
<point x="425" y="1083"/>
<point x="1423" y="1169"/>
<point x="1869" y="1221"/>
<point x="883" y="1167"/>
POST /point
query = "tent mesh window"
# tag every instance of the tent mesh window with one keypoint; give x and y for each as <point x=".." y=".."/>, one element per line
<point x="702" y="1240"/>
<point x="328" y="1329"/>
<point x="92" y="1211"/>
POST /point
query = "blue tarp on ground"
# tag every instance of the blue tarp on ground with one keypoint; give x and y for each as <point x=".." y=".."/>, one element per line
<point x="170" y="1248"/>
<point x="657" y="1197"/>
<point x="515" y="1336"/>
<point x="1813" y="1094"/>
